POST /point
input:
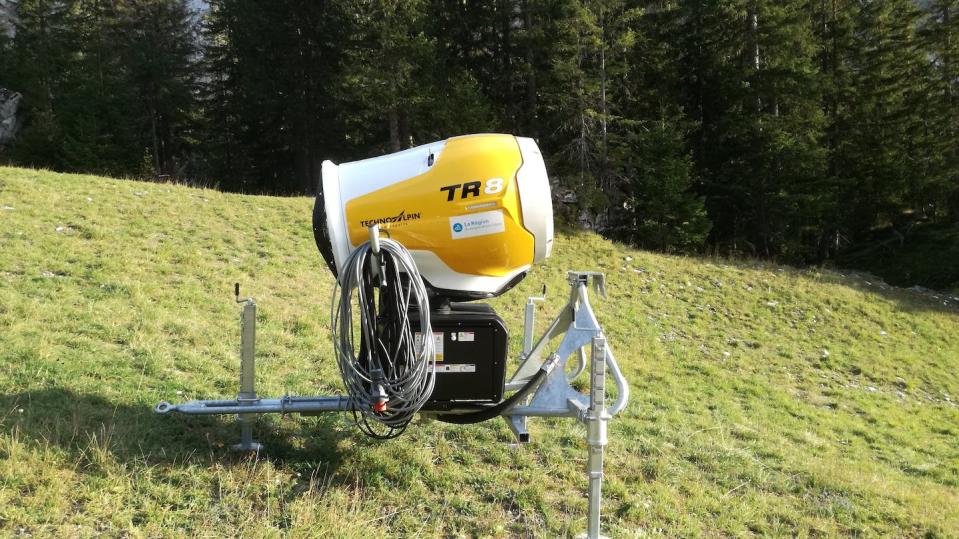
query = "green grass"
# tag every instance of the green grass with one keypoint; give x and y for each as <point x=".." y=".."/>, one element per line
<point x="766" y="401"/>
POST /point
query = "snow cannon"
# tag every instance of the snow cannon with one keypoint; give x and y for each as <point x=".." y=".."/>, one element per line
<point x="413" y="238"/>
<point x="474" y="211"/>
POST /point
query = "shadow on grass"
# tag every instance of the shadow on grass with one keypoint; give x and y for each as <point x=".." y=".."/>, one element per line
<point x="906" y="299"/>
<point x="75" y="423"/>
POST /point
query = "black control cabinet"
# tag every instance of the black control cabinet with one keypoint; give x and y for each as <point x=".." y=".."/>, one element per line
<point x="471" y="346"/>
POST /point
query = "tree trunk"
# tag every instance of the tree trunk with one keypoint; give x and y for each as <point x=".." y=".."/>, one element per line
<point x="754" y="33"/>
<point x="531" y="98"/>
<point x="604" y="181"/>
<point x="406" y="138"/>
<point x="156" y="143"/>
<point x="394" y="117"/>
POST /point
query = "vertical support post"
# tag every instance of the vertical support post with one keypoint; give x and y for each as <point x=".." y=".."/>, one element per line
<point x="596" y="418"/>
<point x="248" y="351"/>
<point x="517" y="423"/>
<point x="247" y="394"/>
<point x="528" y="326"/>
<point x="530" y="321"/>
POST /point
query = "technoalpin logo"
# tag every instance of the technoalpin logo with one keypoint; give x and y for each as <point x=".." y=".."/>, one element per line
<point x="403" y="216"/>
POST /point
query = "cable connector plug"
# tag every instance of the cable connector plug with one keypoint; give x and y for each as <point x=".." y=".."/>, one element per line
<point x="379" y="393"/>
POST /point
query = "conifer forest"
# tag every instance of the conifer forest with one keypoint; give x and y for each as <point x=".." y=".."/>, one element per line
<point x="806" y="131"/>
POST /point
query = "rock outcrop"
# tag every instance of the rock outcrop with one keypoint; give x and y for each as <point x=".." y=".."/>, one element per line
<point x="8" y="18"/>
<point x="9" y="121"/>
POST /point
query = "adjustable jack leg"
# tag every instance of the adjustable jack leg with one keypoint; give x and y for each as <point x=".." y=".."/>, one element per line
<point x="247" y="395"/>
<point x="596" y="418"/>
<point x="529" y="320"/>
<point x="517" y="423"/>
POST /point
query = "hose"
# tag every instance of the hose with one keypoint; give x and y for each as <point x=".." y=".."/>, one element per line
<point x="498" y="409"/>
<point x="388" y="373"/>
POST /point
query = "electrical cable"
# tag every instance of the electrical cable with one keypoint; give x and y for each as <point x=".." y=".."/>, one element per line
<point x="389" y="375"/>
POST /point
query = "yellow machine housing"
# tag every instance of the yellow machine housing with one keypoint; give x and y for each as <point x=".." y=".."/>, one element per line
<point x="475" y="211"/>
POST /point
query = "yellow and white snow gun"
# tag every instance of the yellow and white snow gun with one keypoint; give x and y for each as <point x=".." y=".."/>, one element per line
<point x="475" y="212"/>
<point x="414" y="238"/>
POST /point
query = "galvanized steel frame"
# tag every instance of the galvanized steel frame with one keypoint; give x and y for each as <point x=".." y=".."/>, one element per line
<point x="555" y="397"/>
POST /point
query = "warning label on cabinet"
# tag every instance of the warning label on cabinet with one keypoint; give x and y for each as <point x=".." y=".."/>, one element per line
<point x="463" y="367"/>
<point x="437" y="343"/>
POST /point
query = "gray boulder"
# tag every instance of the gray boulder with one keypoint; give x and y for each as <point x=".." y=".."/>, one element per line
<point x="9" y="121"/>
<point x="8" y="18"/>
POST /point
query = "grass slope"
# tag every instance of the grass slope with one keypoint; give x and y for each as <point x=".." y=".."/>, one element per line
<point x="766" y="401"/>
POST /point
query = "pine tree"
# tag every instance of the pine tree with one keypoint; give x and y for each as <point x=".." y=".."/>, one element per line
<point x="270" y="105"/>
<point x="98" y="108"/>
<point x="405" y="81"/>
<point x="651" y="181"/>
<point x="834" y="24"/>
<point x="483" y="41"/>
<point x="655" y="206"/>
<point x="940" y="37"/>
<point x="784" y="131"/>
<point x="569" y="112"/>
<point x="156" y="44"/>
<point x="102" y="81"/>
<point x="884" y="158"/>
<point x="748" y="82"/>
<point x="39" y="64"/>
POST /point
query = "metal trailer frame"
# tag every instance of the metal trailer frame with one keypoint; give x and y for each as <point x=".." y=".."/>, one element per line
<point x="554" y="397"/>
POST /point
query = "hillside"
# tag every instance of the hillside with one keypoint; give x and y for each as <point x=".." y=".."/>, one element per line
<point x="766" y="400"/>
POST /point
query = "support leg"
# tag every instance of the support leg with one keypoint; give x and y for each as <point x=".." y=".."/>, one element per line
<point x="528" y="321"/>
<point x="247" y="393"/>
<point x="596" y="419"/>
<point x="517" y="424"/>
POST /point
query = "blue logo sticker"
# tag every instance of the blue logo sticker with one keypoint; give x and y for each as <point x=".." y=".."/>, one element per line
<point x="457" y="227"/>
